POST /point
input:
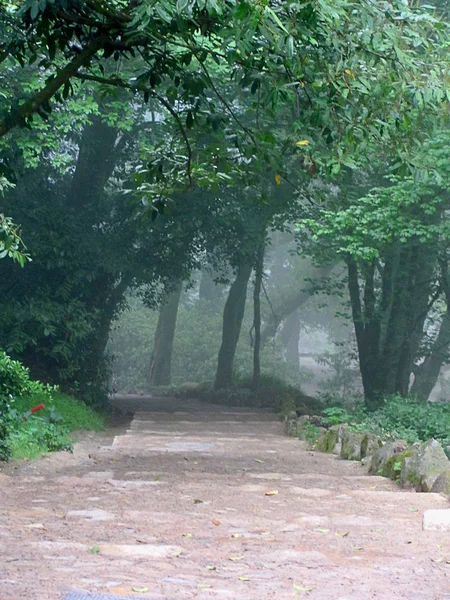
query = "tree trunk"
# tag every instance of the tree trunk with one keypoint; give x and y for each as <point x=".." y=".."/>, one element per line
<point x="369" y="362"/>
<point x="292" y="303"/>
<point x="161" y="359"/>
<point x="259" y="269"/>
<point x="232" y="321"/>
<point x="426" y="375"/>
<point x="290" y="336"/>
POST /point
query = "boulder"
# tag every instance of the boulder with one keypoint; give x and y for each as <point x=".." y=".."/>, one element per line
<point x="351" y="444"/>
<point x="371" y="443"/>
<point x="384" y="453"/>
<point x="331" y="441"/>
<point x="380" y="457"/>
<point x="442" y="484"/>
<point x="423" y="464"/>
<point x="321" y="432"/>
<point x="295" y="425"/>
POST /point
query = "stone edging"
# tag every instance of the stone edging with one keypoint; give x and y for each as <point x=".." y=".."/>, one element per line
<point x="423" y="466"/>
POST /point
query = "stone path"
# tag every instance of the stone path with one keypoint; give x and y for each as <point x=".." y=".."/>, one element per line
<point x="177" y="507"/>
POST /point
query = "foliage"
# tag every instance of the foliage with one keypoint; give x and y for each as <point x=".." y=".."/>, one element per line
<point x="50" y="429"/>
<point x="399" y="418"/>
<point x="335" y="415"/>
<point x="23" y="434"/>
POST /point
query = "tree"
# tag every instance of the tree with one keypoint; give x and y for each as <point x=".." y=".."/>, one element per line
<point x="161" y="359"/>
<point x="391" y="240"/>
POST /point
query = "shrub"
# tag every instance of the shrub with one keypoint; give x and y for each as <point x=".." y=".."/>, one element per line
<point x="15" y="383"/>
<point x="399" y="418"/>
<point x="23" y="435"/>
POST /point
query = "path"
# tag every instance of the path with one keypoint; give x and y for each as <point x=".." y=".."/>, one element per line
<point x="177" y="504"/>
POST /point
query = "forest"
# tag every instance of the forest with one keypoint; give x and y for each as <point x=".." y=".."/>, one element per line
<point x="244" y="200"/>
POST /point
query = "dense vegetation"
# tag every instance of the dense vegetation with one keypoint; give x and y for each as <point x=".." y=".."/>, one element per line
<point x="271" y="173"/>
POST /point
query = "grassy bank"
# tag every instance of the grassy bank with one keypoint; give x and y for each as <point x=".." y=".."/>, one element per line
<point x="48" y="429"/>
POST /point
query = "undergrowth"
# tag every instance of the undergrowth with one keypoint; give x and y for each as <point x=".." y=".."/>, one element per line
<point x="36" y="418"/>
<point x="399" y="418"/>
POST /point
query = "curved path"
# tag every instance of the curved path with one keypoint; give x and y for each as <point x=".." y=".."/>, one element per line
<point x="182" y="505"/>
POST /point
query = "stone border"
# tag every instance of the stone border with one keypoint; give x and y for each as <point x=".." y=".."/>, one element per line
<point x="423" y="466"/>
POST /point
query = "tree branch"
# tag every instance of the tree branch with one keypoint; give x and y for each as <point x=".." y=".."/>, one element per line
<point x="117" y="82"/>
<point x="19" y="115"/>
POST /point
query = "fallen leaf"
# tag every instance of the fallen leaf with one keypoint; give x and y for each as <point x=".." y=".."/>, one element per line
<point x="323" y="530"/>
<point x="345" y="534"/>
<point x="437" y="560"/>
<point x="94" y="550"/>
<point x="211" y="567"/>
<point x="187" y="535"/>
<point x="176" y="554"/>
<point x="300" y="588"/>
<point x="412" y="509"/>
<point x="265" y="533"/>
<point x="272" y="493"/>
<point x="357" y="548"/>
<point x="235" y="535"/>
<point x="243" y="578"/>
<point x="215" y="522"/>
<point x="348" y="72"/>
<point x="203" y="586"/>
<point x="139" y="590"/>
<point x="197" y="501"/>
<point x="303" y="143"/>
<point x="236" y="558"/>
<point x="258" y="460"/>
<point x="278" y="178"/>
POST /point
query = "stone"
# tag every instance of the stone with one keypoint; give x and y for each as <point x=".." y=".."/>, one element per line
<point x="442" y="484"/>
<point x="331" y="442"/>
<point x="436" y="519"/>
<point x="423" y="464"/>
<point x="320" y="433"/>
<point x="380" y="457"/>
<point x="351" y="445"/>
<point x="371" y="443"/>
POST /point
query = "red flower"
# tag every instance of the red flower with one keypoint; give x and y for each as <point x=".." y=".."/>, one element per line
<point x="36" y="408"/>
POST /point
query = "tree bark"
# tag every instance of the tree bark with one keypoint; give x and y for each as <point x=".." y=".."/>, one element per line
<point x="232" y="321"/>
<point x="426" y="375"/>
<point x="161" y="359"/>
<point x="292" y="303"/>
<point x="259" y="269"/>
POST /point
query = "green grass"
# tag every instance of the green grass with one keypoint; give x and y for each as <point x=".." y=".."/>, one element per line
<point x="50" y="429"/>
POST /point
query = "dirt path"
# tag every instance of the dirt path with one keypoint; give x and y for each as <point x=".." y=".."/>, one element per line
<point x="177" y="505"/>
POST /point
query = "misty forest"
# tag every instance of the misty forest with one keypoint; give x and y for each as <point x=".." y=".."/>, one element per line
<point x="238" y="211"/>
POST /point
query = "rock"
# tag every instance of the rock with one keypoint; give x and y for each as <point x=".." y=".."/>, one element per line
<point x="331" y="442"/>
<point x="351" y="445"/>
<point x="436" y="519"/>
<point x="442" y="484"/>
<point x="393" y="466"/>
<point x="423" y="464"/>
<point x="384" y="453"/>
<point x="371" y="443"/>
<point x="291" y="424"/>
<point x="319" y="437"/>
<point x="380" y="457"/>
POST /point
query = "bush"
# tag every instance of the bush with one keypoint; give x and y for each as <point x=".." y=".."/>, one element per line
<point x="399" y="418"/>
<point x="25" y="435"/>
<point x="15" y="384"/>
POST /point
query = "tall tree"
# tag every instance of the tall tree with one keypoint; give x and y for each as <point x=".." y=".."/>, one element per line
<point x="161" y="358"/>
